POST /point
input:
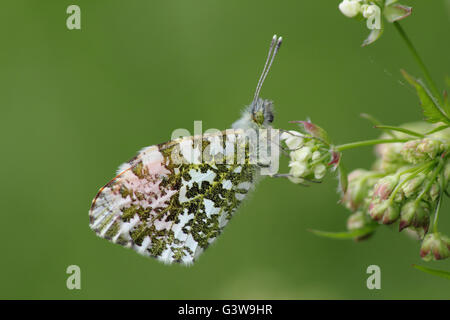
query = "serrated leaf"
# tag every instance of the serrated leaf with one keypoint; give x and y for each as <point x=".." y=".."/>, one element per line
<point x="431" y="109"/>
<point x="434" y="272"/>
<point x="345" y="234"/>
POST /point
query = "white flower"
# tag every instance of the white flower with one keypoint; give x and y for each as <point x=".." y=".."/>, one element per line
<point x="298" y="169"/>
<point x="319" y="171"/>
<point x="302" y="154"/>
<point x="350" y="8"/>
<point x="316" y="155"/>
<point x="292" y="139"/>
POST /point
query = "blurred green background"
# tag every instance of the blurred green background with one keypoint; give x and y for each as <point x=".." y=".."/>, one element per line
<point x="76" y="104"/>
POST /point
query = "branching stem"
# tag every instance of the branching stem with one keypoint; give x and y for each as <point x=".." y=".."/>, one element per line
<point x="367" y="143"/>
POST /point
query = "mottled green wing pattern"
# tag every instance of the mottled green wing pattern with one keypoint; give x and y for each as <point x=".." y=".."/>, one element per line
<point x="173" y="200"/>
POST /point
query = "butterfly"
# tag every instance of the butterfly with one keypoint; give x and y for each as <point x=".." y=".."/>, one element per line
<point x="173" y="200"/>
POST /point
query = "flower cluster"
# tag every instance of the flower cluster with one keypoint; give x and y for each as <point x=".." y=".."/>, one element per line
<point x="405" y="185"/>
<point x="372" y="11"/>
<point x="311" y="156"/>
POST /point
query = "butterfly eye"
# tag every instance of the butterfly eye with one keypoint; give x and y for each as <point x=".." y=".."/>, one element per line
<point x="258" y="117"/>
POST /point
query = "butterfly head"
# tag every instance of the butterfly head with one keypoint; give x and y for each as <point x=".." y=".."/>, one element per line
<point x="262" y="109"/>
<point x="260" y="112"/>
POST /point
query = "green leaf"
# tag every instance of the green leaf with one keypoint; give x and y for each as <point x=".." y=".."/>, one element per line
<point x="446" y="103"/>
<point x="396" y="12"/>
<point x="431" y="109"/>
<point x="345" y="234"/>
<point x="373" y="36"/>
<point x="434" y="272"/>
<point x="399" y="129"/>
<point x="389" y="2"/>
<point x="314" y="130"/>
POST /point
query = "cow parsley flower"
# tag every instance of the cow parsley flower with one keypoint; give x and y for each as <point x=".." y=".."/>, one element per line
<point x="311" y="155"/>
<point x="372" y="12"/>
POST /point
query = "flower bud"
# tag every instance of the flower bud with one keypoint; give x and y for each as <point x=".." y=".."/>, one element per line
<point x="435" y="191"/>
<point x="316" y="155"/>
<point x="390" y="157"/>
<point x="313" y="156"/>
<point x="417" y="151"/>
<point x="298" y="169"/>
<point x="359" y="220"/>
<point x="386" y="211"/>
<point x="430" y="147"/>
<point x="293" y="139"/>
<point x="447" y="171"/>
<point x="301" y="154"/>
<point x="409" y="152"/>
<point x="359" y="185"/>
<point x="416" y="214"/>
<point x="435" y="246"/>
<point x="391" y="214"/>
<point x="319" y="171"/>
<point x="412" y="186"/>
<point x="356" y="221"/>
<point x="369" y="10"/>
<point x="350" y="8"/>
<point x="384" y="187"/>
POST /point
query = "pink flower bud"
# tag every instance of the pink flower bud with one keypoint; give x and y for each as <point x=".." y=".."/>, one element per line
<point x="386" y="211"/>
<point x="357" y="221"/>
<point x="412" y="186"/>
<point x="435" y="246"/>
<point x="384" y="187"/>
<point x="359" y="184"/>
<point x="415" y="214"/>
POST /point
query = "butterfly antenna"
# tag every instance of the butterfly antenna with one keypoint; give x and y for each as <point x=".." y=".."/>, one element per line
<point x="274" y="47"/>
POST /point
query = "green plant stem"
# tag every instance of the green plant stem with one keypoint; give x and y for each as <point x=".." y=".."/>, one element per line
<point x="438" y="207"/>
<point x="440" y="128"/>
<point x="432" y="180"/>
<point x="419" y="60"/>
<point x="414" y="172"/>
<point x="366" y="143"/>
<point x="399" y="129"/>
<point x="436" y="215"/>
<point x="375" y="122"/>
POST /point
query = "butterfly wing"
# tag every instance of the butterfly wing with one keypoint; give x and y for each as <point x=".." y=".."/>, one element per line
<point x="174" y="199"/>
